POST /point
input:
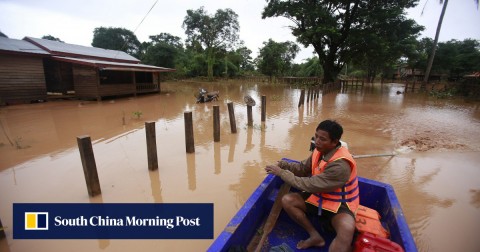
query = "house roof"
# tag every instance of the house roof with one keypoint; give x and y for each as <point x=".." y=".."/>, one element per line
<point x="20" y="46"/>
<point x="57" y="48"/>
<point x="113" y="66"/>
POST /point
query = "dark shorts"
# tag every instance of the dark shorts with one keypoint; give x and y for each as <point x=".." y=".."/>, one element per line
<point x="327" y="216"/>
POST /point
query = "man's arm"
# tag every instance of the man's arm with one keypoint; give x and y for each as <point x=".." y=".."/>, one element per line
<point x="336" y="174"/>
<point x="302" y="169"/>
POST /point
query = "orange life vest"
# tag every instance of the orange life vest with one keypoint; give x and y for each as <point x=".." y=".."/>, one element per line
<point x="348" y="194"/>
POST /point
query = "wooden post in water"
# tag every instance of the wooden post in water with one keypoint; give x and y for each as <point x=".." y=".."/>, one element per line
<point x="264" y="108"/>
<point x="189" y="141"/>
<point x="249" y="115"/>
<point x="151" y="145"/>
<point x="89" y="166"/>
<point x="216" y="123"/>
<point x="231" y="114"/>
<point x="302" y="98"/>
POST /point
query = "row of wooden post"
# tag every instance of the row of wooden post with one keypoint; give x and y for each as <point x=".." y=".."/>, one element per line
<point x="314" y="92"/>
<point x="88" y="158"/>
<point x="354" y="83"/>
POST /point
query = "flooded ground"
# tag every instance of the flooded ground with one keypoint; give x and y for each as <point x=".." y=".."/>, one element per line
<point x="436" y="174"/>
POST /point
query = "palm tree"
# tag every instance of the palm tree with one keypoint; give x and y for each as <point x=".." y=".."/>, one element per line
<point x="435" y="42"/>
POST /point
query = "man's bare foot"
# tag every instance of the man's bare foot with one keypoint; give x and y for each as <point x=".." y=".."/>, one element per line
<point x="311" y="242"/>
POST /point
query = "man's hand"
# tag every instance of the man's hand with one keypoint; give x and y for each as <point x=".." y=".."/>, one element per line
<point x="273" y="169"/>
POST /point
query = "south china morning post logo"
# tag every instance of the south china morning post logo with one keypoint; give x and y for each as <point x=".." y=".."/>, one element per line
<point x="113" y="220"/>
<point x="36" y="220"/>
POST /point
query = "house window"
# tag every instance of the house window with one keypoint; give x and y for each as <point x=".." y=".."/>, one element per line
<point x="143" y="77"/>
<point x="115" y="77"/>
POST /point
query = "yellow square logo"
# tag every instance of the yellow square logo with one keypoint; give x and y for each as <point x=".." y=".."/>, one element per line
<point x="36" y="221"/>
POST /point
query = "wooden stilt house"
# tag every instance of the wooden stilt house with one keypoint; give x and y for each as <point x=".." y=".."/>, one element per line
<point x="91" y="72"/>
<point x="37" y="67"/>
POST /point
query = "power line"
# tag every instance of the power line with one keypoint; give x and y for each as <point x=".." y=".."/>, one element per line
<point x="145" y="16"/>
<point x="138" y="25"/>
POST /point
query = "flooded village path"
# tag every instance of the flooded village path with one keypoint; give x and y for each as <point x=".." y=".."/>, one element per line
<point x="435" y="176"/>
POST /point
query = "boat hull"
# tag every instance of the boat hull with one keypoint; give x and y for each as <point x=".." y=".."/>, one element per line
<point x="245" y="225"/>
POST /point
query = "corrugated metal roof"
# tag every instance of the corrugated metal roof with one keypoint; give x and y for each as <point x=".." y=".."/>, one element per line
<point x="65" y="49"/>
<point x="114" y="66"/>
<point x="20" y="46"/>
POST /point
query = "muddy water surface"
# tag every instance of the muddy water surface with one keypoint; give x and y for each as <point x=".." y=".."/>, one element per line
<point x="436" y="174"/>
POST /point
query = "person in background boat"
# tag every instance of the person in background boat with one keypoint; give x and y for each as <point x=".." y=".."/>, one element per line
<point x="328" y="179"/>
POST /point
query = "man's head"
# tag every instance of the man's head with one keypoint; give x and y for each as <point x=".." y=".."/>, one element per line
<point x="327" y="135"/>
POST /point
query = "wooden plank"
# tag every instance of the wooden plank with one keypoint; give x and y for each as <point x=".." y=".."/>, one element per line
<point x="231" y="114"/>
<point x="273" y="216"/>
<point x="189" y="140"/>
<point x="216" y="123"/>
<point x="89" y="166"/>
<point x="151" y="145"/>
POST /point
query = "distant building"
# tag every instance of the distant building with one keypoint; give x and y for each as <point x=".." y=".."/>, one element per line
<point x="32" y="69"/>
<point x="405" y="72"/>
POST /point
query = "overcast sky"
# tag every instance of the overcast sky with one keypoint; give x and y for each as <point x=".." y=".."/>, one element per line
<point x="73" y="21"/>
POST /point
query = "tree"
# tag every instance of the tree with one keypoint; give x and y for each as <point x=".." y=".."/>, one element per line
<point x="163" y="50"/>
<point x="384" y="43"/>
<point x="244" y="59"/>
<point x="212" y="32"/>
<point x="311" y="68"/>
<point x="334" y="27"/>
<point x="50" y="37"/>
<point x="435" y="42"/>
<point x="119" y="39"/>
<point x="457" y="58"/>
<point x="275" y="59"/>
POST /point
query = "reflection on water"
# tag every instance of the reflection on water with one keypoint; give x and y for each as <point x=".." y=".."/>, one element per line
<point x="435" y="174"/>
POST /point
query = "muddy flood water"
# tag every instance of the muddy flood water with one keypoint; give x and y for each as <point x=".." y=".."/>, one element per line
<point x="436" y="174"/>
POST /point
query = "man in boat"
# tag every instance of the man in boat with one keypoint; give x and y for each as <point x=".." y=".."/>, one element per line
<point x="328" y="179"/>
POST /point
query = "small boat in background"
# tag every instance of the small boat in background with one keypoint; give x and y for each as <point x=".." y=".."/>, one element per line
<point x="246" y="225"/>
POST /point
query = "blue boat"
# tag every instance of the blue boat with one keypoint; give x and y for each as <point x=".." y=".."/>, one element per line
<point x="246" y="225"/>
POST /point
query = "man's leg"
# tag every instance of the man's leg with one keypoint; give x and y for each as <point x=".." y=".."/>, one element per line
<point x="344" y="225"/>
<point x="295" y="207"/>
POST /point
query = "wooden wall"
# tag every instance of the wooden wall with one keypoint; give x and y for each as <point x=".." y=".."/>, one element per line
<point x="85" y="81"/>
<point x="87" y="85"/>
<point x="21" y="79"/>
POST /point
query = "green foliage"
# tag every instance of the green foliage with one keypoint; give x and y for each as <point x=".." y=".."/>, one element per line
<point x="310" y="68"/>
<point x="457" y="58"/>
<point x="50" y="37"/>
<point x="211" y="32"/>
<point x="137" y="114"/>
<point x="452" y="58"/>
<point x="443" y="94"/>
<point x="116" y="39"/>
<point x="275" y="59"/>
<point x="340" y="31"/>
<point x="163" y="50"/>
